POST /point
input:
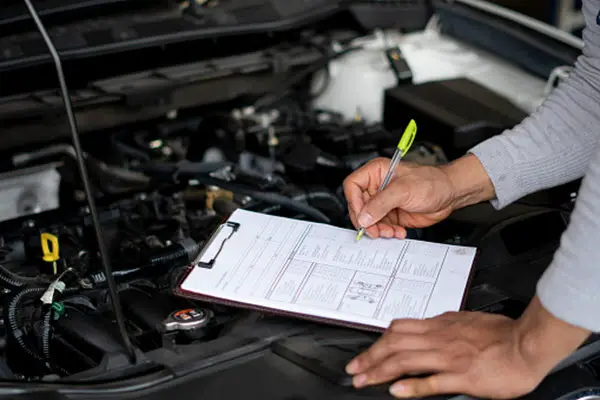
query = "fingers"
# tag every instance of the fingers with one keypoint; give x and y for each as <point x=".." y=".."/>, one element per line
<point x="361" y="181"/>
<point x="389" y="343"/>
<point x="408" y="362"/>
<point x="438" y="384"/>
<point x="380" y="205"/>
<point x="354" y="196"/>
<point x="402" y="334"/>
<point x="419" y="326"/>
<point x="386" y="228"/>
<point x="399" y="232"/>
<point x="383" y="348"/>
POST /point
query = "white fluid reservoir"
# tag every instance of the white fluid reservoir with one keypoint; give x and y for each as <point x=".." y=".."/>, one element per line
<point x="357" y="80"/>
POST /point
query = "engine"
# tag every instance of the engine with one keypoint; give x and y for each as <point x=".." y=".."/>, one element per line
<point x="163" y="186"/>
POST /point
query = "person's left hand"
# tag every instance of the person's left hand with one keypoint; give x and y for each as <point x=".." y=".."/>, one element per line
<point x="469" y="353"/>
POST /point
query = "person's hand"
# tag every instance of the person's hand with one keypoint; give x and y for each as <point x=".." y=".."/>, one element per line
<point x="417" y="196"/>
<point x="471" y="353"/>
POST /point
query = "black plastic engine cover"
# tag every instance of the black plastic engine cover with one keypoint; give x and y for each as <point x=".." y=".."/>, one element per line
<point x="456" y="113"/>
<point x="81" y="341"/>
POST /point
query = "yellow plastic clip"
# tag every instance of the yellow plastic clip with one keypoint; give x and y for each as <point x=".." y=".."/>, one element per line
<point x="408" y="137"/>
<point x="50" y="249"/>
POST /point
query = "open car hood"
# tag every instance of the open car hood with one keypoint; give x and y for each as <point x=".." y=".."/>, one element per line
<point x="165" y="96"/>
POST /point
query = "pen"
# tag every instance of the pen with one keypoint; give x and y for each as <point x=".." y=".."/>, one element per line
<point x="403" y="145"/>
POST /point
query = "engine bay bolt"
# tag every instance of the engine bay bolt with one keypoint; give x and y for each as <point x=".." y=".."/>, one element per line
<point x="79" y="195"/>
<point x="86" y="283"/>
<point x="171" y="114"/>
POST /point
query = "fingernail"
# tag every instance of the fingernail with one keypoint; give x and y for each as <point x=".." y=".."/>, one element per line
<point x="352" y="367"/>
<point x="399" y="390"/>
<point x="359" y="380"/>
<point x="365" y="220"/>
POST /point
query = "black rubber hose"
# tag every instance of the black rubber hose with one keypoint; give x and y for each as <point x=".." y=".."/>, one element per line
<point x="311" y="196"/>
<point x="182" y="253"/>
<point x="198" y="172"/>
<point x="46" y="334"/>
<point x="12" y="317"/>
<point x="224" y="207"/>
<point x="294" y="205"/>
<point x="12" y="311"/>
<point x="191" y="168"/>
<point x="177" y="254"/>
<point x="126" y="150"/>
<point x="14" y="281"/>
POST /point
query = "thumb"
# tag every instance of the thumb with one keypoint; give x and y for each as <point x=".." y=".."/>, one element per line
<point x="378" y="207"/>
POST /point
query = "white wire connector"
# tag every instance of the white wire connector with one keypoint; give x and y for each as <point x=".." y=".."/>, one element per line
<point x="48" y="296"/>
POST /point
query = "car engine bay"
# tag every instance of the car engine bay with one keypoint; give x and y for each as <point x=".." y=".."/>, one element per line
<point x="163" y="184"/>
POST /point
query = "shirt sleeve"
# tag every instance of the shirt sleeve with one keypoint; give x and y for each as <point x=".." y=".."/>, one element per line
<point x="570" y="287"/>
<point x="555" y="144"/>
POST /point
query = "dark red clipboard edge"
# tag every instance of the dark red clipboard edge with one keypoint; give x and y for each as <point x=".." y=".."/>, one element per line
<point x="178" y="291"/>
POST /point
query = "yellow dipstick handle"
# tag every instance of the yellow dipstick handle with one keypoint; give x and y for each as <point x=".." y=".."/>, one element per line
<point x="50" y="249"/>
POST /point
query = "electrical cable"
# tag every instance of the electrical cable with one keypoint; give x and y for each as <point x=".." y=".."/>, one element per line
<point x="112" y="286"/>
<point x="16" y="281"/>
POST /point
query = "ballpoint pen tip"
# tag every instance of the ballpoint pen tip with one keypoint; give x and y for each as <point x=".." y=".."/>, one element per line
<point x="359" y="235"/>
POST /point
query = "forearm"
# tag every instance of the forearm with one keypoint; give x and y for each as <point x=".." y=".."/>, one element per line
<point x="470" y="181"/>
<point x="555" y="144"/>
<point x="544" y="339"/>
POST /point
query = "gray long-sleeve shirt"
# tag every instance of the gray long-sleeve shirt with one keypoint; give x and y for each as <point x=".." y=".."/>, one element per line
<point x="555" y="145"/>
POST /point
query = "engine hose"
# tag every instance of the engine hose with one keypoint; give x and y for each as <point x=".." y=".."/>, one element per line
<point x="100" y="277"/>
<point x="294" y="205"/>
<point x="12" y="311"/>
<point x="46" y="333"/>
<point x="126" y="150"/>
<point x="12" y="317"/>
<point x="309" y="196"/>
<point x="182" y="252"/>
<point x="321" y="195"/>
<point x="198" y="172"/>
<point x="13" y="280"/>
<point x="193" y="168"/>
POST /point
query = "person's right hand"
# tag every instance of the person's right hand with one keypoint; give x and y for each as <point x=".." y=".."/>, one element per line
<point x="417" y="196"/>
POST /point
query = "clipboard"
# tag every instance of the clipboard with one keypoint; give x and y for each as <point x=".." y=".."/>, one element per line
<point x="233" y="227"/>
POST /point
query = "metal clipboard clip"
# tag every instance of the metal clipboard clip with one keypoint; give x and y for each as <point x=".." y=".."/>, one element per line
<point x="234" y="226"/>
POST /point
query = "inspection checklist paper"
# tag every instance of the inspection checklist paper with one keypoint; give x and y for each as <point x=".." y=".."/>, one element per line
<point x="317" y="270"/>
